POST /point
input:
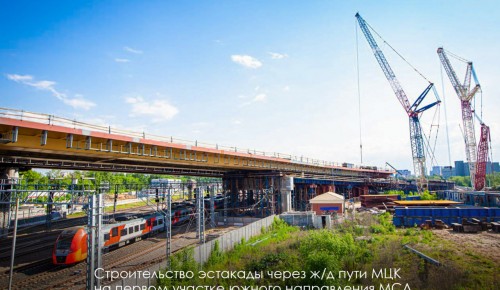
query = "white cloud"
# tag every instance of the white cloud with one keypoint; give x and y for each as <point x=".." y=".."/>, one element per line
<point x="236" y="122"/>
<point x="122" y="60"/>
<point x="275" y="55"/>
<point x="159" y="110"/>
<point x="286" y="88"/>
<point x="260" y="98"/>
<point x="45" y="85"/>
<point x="132" y="50"/>
<point x="78" y="103"/>
<point x="246" y="61"/>
<point x="19" y="78"/>
<point x="201" y="124"/>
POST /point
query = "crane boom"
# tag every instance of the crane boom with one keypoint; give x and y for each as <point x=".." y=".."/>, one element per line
<point x="397" y="171"/>
<point x="465" y="94"/>
<point x="386" y="68"/>
<point x="416" y="136"/>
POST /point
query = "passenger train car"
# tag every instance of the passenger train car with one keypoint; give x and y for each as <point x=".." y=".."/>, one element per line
<point x="71" y="245"/>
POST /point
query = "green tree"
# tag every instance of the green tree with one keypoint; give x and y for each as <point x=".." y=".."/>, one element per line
<point x="461" y="180"/>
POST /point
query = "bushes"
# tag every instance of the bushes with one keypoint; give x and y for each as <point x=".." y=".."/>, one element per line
<point x="325" y="250"/>
<point x="346" y="248"/>
<point x="426" y="195"/>
<point x="385" y="225"/>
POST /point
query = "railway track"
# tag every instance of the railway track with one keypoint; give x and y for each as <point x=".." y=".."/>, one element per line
<point x="26" y="243"/>
<point x="133" y="257"/>
<point x="139" y="255"/>
<point x="39" y="235"/>
<point x="44" y="275"/>
<point x="117" y="260"/>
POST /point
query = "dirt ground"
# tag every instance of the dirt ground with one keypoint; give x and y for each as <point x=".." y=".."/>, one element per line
<point x="485" y="243"/>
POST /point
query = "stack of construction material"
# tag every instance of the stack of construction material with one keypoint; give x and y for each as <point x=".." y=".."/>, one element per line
<point x="416" y="215"/>
<point x="472" y="226"/>
<point x="438" y="224"/>
<point x="381" y="201"/>
<point x="495" y="227"/>
<point x="426" y="202"/>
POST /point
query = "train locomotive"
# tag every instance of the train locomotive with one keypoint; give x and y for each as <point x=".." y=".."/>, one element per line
<point x="71" y="245"/>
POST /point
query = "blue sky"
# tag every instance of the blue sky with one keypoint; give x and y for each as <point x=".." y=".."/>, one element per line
<point x="270" y="75"/>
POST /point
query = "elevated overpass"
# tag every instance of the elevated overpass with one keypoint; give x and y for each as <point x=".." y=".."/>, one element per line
<point x="32" y="140"/>
<point x="253" y="181"/>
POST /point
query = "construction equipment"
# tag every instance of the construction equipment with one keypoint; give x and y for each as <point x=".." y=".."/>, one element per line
<point x="466" y="94"/>
<point x="416" y="135"/>
<point x="397" y="171"/>
<point x="482" y="156"/>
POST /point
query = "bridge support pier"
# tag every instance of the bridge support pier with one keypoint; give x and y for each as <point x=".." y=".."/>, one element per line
<point x="286" y="193"/>
<point x="256" y="193"/>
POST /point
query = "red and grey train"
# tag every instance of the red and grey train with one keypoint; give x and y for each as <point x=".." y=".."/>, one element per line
<point x="71" y="245"/>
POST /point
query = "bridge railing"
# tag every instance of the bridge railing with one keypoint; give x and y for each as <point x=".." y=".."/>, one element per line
<point x="59" y="121"/>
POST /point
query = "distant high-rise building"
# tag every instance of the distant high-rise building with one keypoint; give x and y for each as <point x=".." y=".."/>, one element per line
<point x="492" y="167"/>
<point x="466" y="169"/>
<point x="436" y="171"/>
<point x="404" y="173"/>
<point x="460" y="168"/>
<point x="447" y="172"/>
<point x="496" y="167"/>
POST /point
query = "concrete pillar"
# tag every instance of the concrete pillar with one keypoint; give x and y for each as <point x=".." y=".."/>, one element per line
<point x="286" y="193"/>
<point x="191" y="186"/>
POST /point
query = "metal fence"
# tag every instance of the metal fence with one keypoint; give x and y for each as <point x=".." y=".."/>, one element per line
<point x="202" y="252"/>
<point x="300" y="219"/>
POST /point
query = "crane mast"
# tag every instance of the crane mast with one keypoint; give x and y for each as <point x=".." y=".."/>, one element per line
<point x="416" y="136"/>
<point x="482" y="158"/>
<point x="465" y="94"/>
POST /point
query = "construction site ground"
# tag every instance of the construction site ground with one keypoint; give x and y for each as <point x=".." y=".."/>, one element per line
<point x="484" y="243"/>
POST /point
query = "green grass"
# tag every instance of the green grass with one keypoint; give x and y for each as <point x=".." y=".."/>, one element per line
<point x="364" y="244"/>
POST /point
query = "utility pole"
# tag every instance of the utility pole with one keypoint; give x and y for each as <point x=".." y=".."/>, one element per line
<point x="13" y="252"/>
<point x="168" y="223"/>
<point x="94" y="240"/>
